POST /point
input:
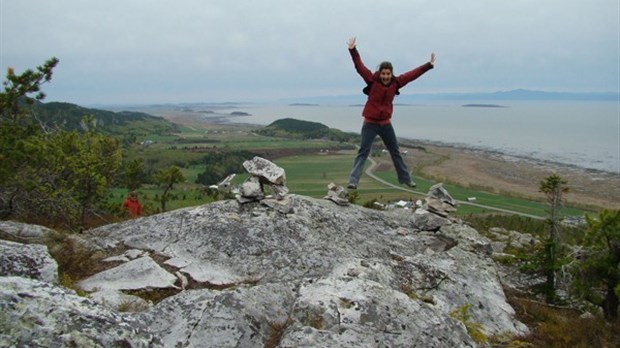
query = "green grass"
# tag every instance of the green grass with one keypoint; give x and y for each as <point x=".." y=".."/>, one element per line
<point x="321" y="169"/>
<point x="191" y="172"/>
<point x="307" y="174"/>
<point x="484" y="198"/>
<point x="310" y="174"/>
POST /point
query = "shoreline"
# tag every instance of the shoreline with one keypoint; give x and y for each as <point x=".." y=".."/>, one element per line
<point x="497" y="172"/>
<point x="476" y="167"/>
<point x="510" y="156"/>
<point x="228" y="119"/>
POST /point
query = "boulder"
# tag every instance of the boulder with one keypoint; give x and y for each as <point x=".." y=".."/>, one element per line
<point x="279" y="191"/>
<point x="425" y="220"/>
<point x="136" y="274"/>
<point x="439" y="192"/>
<point x="39" y="314"/>
<point x="27" y="260"/>
<point x="252" y="189"/>
<point x="515" y="239"/>
<point x="266" y="170"/>
<point x="23" y="232"/>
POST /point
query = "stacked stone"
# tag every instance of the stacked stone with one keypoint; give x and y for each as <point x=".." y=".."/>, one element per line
<point x="439" y="201"/>
<point x="264" y="172"/>
<point x="337" y="194"/>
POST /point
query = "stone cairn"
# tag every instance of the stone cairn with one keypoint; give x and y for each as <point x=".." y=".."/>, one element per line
<point x="439" y="201"/>
<point x="263" y="173"/>
<point x="337" y="194"/>
<point x="266" y="173"/>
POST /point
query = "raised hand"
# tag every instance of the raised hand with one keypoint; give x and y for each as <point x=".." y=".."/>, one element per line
<point x="433" y="58"/>
<point x="351" y="43"/>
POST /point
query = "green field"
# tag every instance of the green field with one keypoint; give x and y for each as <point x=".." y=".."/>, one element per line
<point x="309" y="175"/>
<point x="308" y="172"/>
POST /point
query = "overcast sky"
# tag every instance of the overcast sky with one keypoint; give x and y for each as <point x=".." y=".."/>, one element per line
<point x="156" y="51"/>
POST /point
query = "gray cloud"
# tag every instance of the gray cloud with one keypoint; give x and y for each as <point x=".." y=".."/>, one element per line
<point x="189" y="50"/>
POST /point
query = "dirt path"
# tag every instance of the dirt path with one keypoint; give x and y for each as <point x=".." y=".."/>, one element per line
<point x="373" y="165"/>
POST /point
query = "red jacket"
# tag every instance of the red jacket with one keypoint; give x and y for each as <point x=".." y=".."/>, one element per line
<point x="378" y="108"/>
<point x="133" y="206"/>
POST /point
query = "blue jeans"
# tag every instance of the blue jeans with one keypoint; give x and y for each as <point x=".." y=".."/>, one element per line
<point x="369" y="133"/>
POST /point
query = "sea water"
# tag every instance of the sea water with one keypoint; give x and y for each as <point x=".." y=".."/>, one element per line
<point x="580" y="133"/>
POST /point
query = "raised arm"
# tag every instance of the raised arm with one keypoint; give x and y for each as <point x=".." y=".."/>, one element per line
<point x="417" y="72"/>
<point x="361" y="69"/>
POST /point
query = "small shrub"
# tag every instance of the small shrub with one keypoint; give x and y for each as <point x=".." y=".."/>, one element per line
<point x="555" y="327"/>
<point x="75" y="260"/>
<point x="353" y="197"/>
<point x="68" y="282"/>
<point x="475" y="330"/>
<point x="130" y="306"/>
<point x="154" y="295"/>
<point x="276" y="331"/>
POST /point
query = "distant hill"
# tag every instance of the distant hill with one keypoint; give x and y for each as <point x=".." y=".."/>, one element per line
<point x="69" y="117"/>
<point x="525" y="94"/>
<point x="299" y="129"/>
<point x="410" y="96"/>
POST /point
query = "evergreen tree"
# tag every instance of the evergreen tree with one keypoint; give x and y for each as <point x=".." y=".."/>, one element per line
<point x="19" y="136"/>
<point x="49" y="173"/>
<point x="598" y="273"/>
<point x="134" y="174"/>
<point x="19" y="89"/>
<point x="553" y="187"/>
<point x="90" y="164"/>
<point x="166" y="178"/>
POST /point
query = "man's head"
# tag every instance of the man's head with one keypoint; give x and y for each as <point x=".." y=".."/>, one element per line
<point x="386" y="71"/>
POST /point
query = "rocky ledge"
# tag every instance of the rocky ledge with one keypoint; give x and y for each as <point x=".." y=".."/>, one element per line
<point x="241" y="275"/>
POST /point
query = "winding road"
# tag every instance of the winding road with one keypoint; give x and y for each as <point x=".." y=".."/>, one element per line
<point x="370" y="173"/>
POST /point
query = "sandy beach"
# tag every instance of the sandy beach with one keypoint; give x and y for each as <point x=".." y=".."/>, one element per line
<point x="499" y="173"/>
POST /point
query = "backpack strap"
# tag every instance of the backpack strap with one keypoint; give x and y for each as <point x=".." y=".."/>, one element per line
<point x="366" y="89"/>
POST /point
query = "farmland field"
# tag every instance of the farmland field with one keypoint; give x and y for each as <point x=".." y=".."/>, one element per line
<point x="310" y="165"/>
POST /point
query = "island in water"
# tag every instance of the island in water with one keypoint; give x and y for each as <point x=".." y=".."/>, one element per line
<point x="239" y="113"/>
<point x="483" y="106"/>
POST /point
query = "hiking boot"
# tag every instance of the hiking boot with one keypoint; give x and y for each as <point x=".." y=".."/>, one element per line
<point x="411" y="184"/>
<point x="351" y="186"/>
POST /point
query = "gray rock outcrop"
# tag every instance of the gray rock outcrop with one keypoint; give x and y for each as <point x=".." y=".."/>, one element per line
<point x="317" y="273"/>
<point x="23" y="232"/>
<point x="136" y="274"/>
<point x="503" y="238"/>
<point x="39" y="314"/>
<point x="301" y="272"/>
<point x="27" y="260"/>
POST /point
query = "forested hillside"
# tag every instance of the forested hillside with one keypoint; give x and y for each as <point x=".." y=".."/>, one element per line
<point x="299" y="129"/>
<point x="70" y="117"/>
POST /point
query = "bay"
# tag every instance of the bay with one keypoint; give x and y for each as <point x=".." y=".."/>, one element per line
<point x="579" y="133"/>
